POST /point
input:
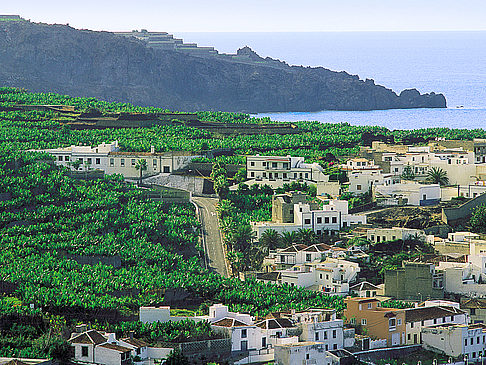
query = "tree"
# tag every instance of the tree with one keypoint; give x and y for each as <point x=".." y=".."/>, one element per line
<point x="289" y="238"/>
<point x="221" y="186"/>
<point x="478" y="219"/>
<point x="75" y="164"/>
<point x="141" y="166"/>
<point x="176" y="357"/>
<point x="242" y="239"/>
<point x="437" y="176"/>
<point x="408" y="173"/>
<point x="240" y="175"/>
<point x="270" y="239"/>
<point x="306" y="236"/>
<point x="226" y="208"/>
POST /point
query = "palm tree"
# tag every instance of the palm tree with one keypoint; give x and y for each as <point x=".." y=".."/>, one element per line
<point x="289" y="238"/>
<point x="141" y="166"/>
<point x="437" y="176"/>
<point x="243" y="238"/>
<point x="306" y="236"/>
<point x="270" y="239"/>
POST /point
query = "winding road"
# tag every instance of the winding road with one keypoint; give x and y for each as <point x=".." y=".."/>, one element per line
<point x="212" y="241"/>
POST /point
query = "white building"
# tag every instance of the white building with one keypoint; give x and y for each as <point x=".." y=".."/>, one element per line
<point x="367" y="290"/>
<point x="331" y="218"/>
<point x="396" y="233"/>
<point x="99" y="348"/>
<point x="107" y="157"/>
<point x="284" y="168"/>
<point x="302" y="353"/>
<point x="363" y="174"/>
<point x="332" y="276"/>
<point x="456" y="341"/>
<point x="432" y="315"/>
<point x="408" y="193"/>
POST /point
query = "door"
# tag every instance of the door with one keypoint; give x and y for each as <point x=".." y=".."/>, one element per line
<point x="415" y="338"/>
<point x="244" y="345"/>
<point x="395" y="339"/>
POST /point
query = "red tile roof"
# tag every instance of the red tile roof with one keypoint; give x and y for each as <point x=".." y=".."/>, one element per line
<point x="114" y="347"/>
<point x="89" y="337"/>
<point x="426" y="313"/>
<point x="229" y="322"/>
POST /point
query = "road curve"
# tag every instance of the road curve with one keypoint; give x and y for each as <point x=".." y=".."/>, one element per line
<point x="213" y="245"/>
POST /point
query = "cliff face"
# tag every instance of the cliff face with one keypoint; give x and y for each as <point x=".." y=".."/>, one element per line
<point x="61" y="59"/>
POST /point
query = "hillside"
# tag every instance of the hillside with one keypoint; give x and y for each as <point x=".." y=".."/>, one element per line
<point x="61" y="59"/>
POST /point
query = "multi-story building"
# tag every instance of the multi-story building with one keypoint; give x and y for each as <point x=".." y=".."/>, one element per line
<point x="332" y="276"/>
<point x="457" y="341"/>
<point x="464" y="243"/>
<point x="363" y="174"/>
<point x="400" y="326"/>
<point x="414" y="281"/>
<point x="432" y="315"/>
<point x="108" y="158"/>
<point x="381" y="323"/>
<point x="308" y="353"/>
<point x="285" y="168"/>
<point x="332" y="217"/>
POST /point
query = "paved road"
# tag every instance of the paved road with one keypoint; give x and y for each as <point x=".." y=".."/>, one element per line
<point x="213" y="246"/>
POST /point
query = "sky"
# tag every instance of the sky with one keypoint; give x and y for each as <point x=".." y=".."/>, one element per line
<point x="256" y="15"/>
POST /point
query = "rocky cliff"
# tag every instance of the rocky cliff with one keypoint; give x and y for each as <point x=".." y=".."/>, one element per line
<point x="58" y="58"/>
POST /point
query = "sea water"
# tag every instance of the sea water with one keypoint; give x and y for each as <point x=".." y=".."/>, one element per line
<point x="452" y="63"/>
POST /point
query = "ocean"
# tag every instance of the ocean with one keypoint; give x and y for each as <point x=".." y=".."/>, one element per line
<point x="452" y="63"/>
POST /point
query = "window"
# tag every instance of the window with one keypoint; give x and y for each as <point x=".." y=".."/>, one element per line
<point x="84" y="351"/>
<point x="472" y="311"/>
<point x="133" y="162"/>
<point x="274" y="164"/>
<point x="307" y="356"/>
<point x="60" y="158"/>
<point x="392" y="322"/>
<point x="252" y="163"/>
<point x="465" y="342"/>
<point x="472" y="340"/>
<point x="411" y="324"/>
<point x="326" y="220"/>
<point x="122" y="162"/>
<point x="409" y="337"/>
<point x="66" y="158"/>
<point x="334" y="333"/>
<point x="399" y="322"/>
<point x="435" y="320"/>
<point x="97" y="161"/>
<point x="243" y="333"/>
<point x="264" y="174"/>
<point x="358" y="187"/>
<point x="264" y="342"/>
<point x="319" y="220"/>
<point x="334" y="346"/>
<point x="138" y="351"/>
<point x="334" y="219"/>
<point x="325" y="332"/>
<point x="252" y="174"/>
<point x="80" y="159"/>
<point x="166" y="169"/>
<point x="317" y="336"/>
<point x="285" y="165"/>
<point x="307" y="221"/>
<point x="155" y="163"/>
<point x="285" y="175"/>
<point x="89" y="161"/>
<point x="112" y="162"/>
<point x="369" y="305"/>
<point x="264" y="164"/>
<point x="363" y="322"/>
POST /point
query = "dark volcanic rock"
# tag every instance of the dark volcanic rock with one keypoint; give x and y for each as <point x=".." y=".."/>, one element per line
<point x="58" y="58"/>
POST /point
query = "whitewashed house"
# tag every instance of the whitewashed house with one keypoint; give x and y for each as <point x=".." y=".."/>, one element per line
<point x="457" y="341"/>
<point x="107" y="157"/>
<point x="396" y="233"/>
<point x="302" y="353"/>
<point x="331" y="218"/>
